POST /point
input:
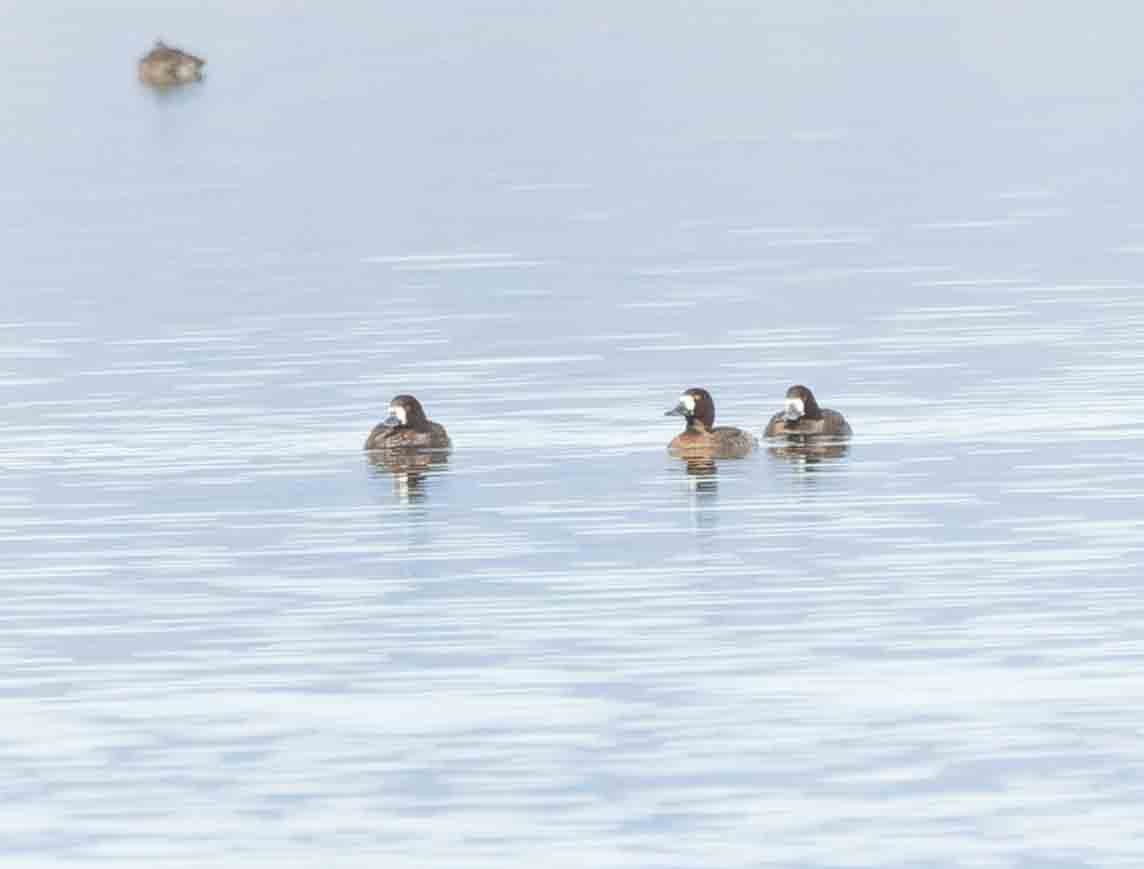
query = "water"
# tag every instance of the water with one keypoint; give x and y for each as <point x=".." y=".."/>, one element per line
<point x="230" y="639"/>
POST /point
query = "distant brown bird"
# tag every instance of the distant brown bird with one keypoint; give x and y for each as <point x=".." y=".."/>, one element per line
<point x="166" y="66"/>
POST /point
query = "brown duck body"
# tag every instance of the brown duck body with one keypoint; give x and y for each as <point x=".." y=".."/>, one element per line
<point x="430" y="435"/>
<point x="831" y="423"/>
<point x="721" y="442"/>
<point x="165" y="66"/>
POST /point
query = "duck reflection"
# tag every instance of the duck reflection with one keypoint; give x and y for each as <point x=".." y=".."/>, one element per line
<point x="410" y="469"/>
<point x="807" y="450"/>
<point x="702" y="474"/>
<point x="701" y="477"/>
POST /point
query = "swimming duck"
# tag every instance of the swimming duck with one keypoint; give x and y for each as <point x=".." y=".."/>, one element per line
<point x="407" y="427"/>
<point x="165" y="66"/>
<point x="700" y="436"/>
<point x="803" y="416"/>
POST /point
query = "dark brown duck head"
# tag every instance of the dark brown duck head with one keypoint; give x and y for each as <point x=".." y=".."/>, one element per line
<point x="405" y="412"/>
<point x="697" y="407"/>
<point x="800" y="404"/>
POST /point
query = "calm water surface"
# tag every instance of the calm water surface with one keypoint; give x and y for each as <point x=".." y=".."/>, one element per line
<point x="228" y="638"/>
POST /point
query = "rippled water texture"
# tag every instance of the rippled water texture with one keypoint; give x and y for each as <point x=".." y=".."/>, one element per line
<point x="230" y="638"/>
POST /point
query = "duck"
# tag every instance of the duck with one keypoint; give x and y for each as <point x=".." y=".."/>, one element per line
<point x="166" y="66"/>
<point x="701" y="437"/>
<point x="407" y="427"/>
<point x="803" y="416"/>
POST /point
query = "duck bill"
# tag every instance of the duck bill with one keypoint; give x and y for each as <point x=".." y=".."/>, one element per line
<point x="391" y="421"/>
<point x="678" y="410"/>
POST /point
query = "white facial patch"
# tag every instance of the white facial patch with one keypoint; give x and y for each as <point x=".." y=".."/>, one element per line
<point x="688" y="402"/>
<point x="794" y="409"/>
<point x="398" y="411"/>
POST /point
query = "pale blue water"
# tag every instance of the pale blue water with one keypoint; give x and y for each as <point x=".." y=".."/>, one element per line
<point x="229" y="639"/>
